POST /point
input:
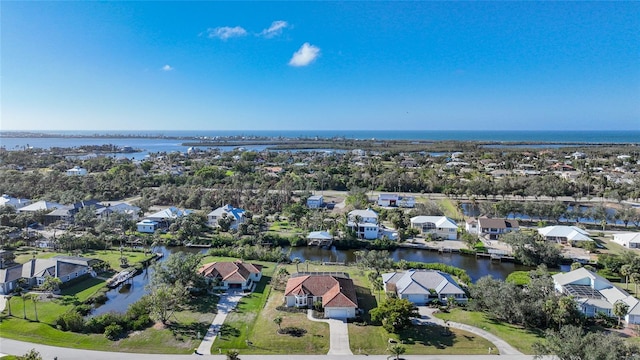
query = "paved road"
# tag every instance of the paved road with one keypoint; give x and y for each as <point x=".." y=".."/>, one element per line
<point x="427" y="318"/>
<point x="49" y="352"/>
<point x="226" y="304"/>
<point x="338" y="335"/>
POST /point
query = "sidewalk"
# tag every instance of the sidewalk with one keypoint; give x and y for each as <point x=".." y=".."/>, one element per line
<point x="227" y="303"/>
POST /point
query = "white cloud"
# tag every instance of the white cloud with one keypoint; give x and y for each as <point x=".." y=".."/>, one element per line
<point x="226" y="32"/>
<point x="275" y="29"/>
<point x="305" y="55"/>
<point x="167" y="68"/>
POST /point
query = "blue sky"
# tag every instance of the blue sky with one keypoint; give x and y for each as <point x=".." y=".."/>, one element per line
<point x="320" y="65"/>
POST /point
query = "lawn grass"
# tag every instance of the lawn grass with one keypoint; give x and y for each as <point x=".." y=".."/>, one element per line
<point x="450" y="209"/>
<point x="518" y="337"/>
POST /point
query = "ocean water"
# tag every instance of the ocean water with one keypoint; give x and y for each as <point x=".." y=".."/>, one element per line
<point x="164" y="141"/>
<point x="613" y="136"/>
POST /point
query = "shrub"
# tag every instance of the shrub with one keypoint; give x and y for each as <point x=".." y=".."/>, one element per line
<point x="113" y="331"/>
<point x="71" y="321"/>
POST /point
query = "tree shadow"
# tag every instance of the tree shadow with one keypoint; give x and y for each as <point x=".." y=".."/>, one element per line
<point x="366" y="302"/>
<point x="226" y="331"/>
<point x="192" y="330"/>
<point x="204" y="303"/>
<point x="436" y="336"/>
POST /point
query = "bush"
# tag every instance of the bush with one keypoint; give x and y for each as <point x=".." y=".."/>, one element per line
<point x="113" y="331"/>
<point x="71" y="321"/>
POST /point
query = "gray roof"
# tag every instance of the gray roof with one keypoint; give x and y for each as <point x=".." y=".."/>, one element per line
<point x="422" y="282"/>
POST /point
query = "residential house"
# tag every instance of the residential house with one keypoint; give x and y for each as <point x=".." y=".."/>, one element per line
<point x="393" y="200"/>
<point x="237" y="216"/>
<point x="315" y="201"/>
<point x="471" y="226"/>
<point x="226" y="275"/>
<point x="16" y="203"/>
<point x="364" y="223"/>
<point x="335" y="291"/>
<point x="421" y="287"/>
<point x="35" y="271"/>
<point x="167" y="216"/>
<point x="563" y="234"/>
<point x="40" y="206"/>
<point x="595" y="294"/>
<point x="438" y="226"/>
<point x="320" y="238"/>
<point x="628" y="240"/>
<point x="124" y="208"/>
<point x="493" y="228"/>
<point x="76" y="171"/>
<point x="147" y="226"/>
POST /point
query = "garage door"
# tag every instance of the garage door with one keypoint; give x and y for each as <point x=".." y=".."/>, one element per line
<point x="337" y="314"/>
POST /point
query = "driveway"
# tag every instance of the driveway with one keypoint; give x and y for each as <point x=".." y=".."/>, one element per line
<point x="427" y="318"/>
<point x="226" y="304"/>
<point x="339" y="335"/>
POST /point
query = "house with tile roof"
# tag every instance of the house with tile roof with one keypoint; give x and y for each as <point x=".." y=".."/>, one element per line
<point x="225" y="275"/>
<point x="595" y="294"/>
<point x="236" y="214"/>
<point x="421" y="287"/>
<point x="335" y="291"/>
<point x="438" y="226"/>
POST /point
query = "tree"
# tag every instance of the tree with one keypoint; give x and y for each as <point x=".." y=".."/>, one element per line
<point x="635" y="278"/>
<point x="397" y="350"/>
<point x="376" y="260"/>
<point x="620" y="309"/>
<point x="572" y="343"/>
<point x="395" y="314"/>
<point x="179" y="269"/>
<point x="278" y="321"/>
<point x="531" y="249"/>
<point x="51" y="284"/>
<point x="34" y="299"/>
<point x="164" y="300"/>
<point x="31" y="355"/>
<point x="626" y="270"/>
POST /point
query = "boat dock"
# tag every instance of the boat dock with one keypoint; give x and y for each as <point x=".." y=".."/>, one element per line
<point x="120" y="278"/>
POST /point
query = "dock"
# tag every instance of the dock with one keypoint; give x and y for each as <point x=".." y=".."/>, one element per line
<point x="120" y="278"/>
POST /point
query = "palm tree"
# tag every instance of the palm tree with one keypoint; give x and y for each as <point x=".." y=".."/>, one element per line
<point x="35" y="299"/>
<point x="8" y="298"/>
<point x="24" y="297"/>
<point x="635" y="278"/>
<point x="397" y="350"/>
<point x="620" y="309"/>
<point x="625" y="270"/>
<point x="296" y="261"/>
<point x="278" y="321"/>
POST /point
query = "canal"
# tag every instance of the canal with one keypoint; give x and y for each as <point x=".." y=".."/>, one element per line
<point x="120" y="298"/>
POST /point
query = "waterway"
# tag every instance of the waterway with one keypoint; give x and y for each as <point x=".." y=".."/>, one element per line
<point x="120" y="298"/>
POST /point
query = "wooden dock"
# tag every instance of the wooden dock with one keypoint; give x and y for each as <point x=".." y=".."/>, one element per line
<point x="120" y="278"/>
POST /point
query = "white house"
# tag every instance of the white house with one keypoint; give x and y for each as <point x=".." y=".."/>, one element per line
<point x="315" y="201"/>
<point x="438" y="226"/>
<point x="595" y="294"/>
<point x="335" y="291"/>
<point x="471" y="226"/>
<point x="41" y="205"/>
<point x="147" y="226"/>
<point x="364" y="223"/>
<point x="564" y="234"/>
<point x="77" y="171"/>
<point x="168" y="215"/>
<point x="236" y="214"/>
<point x="628" y="240"/>
<point x="232" y="275"/>
<point x="423" y="286"/>
<point x="393" y="200"/>
<point x="17" y="203"/>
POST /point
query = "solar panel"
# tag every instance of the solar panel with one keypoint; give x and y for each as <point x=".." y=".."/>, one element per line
<point x="582" y="291"/>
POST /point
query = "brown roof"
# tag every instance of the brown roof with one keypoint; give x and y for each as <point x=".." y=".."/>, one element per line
<point x="230" y="271"/>
<point x="497" y="223"/>
<point x="335" y="291"/>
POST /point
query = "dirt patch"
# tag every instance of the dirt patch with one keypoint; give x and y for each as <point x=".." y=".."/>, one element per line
<point x="159" y="325"/>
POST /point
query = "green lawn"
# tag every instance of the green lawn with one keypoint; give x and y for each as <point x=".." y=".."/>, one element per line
<point x="518" y="337"/>
<point x="450" y="209"/>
